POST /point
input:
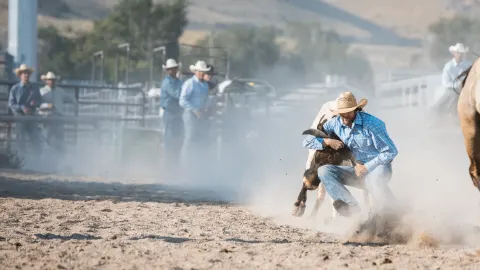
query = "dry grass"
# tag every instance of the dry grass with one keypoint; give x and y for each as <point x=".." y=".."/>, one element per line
<point x="348" y="17"/>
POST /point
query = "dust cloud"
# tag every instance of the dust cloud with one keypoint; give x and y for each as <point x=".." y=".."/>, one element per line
<point x="430" y="176"/>
<point x="261" y="162"/>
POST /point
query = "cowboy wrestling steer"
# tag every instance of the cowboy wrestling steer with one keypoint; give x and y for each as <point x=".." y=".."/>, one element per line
<point x="368" y="139"/>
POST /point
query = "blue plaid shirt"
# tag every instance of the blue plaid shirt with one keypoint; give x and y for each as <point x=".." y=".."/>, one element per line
<point x="367" y="139"/>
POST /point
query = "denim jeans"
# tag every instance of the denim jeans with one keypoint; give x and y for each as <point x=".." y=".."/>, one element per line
<point x="55" y="136"/>
<point x="195" y="131"/>
<point x="336" y="177"/>
<point x="30" y="130"/>
<point x="173" y="139"/>
<point x="196" y="146"/>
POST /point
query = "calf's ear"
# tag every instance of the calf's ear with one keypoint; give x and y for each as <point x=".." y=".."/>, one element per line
<point x="315" y="132"/>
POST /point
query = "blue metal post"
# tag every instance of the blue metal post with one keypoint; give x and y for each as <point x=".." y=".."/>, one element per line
<point x="22" y="33"/>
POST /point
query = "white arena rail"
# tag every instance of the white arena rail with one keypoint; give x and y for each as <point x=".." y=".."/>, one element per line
<point x="415" y="92"/>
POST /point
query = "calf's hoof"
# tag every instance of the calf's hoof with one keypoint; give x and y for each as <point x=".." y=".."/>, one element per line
<point x="298" y="209"/>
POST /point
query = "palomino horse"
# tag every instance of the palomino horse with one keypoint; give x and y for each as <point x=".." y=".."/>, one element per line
<point x="469" y="115"/>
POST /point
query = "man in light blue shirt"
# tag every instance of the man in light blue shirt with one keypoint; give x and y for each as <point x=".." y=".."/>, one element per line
<point x="193" y="98"/>
<point x="172" y="114"/>
<point x="366" y="136"/>
<point x="455" y="66"/>
<point x="446" y="105"/>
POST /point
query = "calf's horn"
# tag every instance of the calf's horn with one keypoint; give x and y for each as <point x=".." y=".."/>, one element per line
<point x="315" y="132"/>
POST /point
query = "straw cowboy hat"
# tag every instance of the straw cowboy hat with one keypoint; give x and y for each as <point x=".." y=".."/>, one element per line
<point x="347" y="102"/>
<point x="171" y="63"/>
<point x="200" y="66"/>
<point x="23" y="68"/>
<point x="49" y="76"/>
<point x="458" y="48"/>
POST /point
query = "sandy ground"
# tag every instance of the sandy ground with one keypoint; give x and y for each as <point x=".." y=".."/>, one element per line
<point x="47" y="224"/>
<point x="58" y="222"/>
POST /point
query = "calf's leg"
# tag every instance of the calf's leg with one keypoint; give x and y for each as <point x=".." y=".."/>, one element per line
<point x="299" y="206"/>
<point x="320" y="198"/>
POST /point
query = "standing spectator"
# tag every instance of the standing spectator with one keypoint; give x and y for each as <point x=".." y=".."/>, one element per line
<point x="23" y="100"/>
<point x="53" y="103"/>
<point x="210" y="80"/>
<point x="211" y="99"/>
<point x="172" y="114"/>
<point x="193" y="99"/>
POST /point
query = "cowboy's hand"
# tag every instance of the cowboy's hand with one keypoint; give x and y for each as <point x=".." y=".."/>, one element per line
<point x="360" y="170"/>
<point x="335" y="144"/>
<point x="26" y="110"/>
<point x="198" y="114"/>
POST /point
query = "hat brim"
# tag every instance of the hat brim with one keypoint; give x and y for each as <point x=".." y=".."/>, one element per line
<point x="454" y="49"/>
<point x="44" y="78"/>
<point x="362" y="103"/>
<point x="166" y="67"/>
<point x="29" y="70"/>
<point x="193" y="68"/>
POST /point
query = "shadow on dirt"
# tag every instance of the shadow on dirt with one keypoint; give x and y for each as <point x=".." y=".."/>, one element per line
<point x="75" y="236"/>
<point x="168" y="239"/>
<point x="38" y="186"/>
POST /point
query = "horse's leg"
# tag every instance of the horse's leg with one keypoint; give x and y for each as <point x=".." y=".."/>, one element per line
<point x="299" y="205"/>
<point x="320" y="198"/>
<point x="469" y="119"/>
<point x="471" y="139"/>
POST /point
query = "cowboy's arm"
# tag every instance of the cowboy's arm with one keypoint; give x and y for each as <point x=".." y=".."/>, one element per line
<point x="447" y="80"/>
<point x="37" y="97"/>
<point x="314" y="143"/>
<point x="185" y="95"/>
<point x="12" y="101"/>
<point x="173" y="89"/>
<point x="384" y="144"/>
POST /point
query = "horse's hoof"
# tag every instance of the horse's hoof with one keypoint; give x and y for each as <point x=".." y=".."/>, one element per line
<point x="298" y="210"/>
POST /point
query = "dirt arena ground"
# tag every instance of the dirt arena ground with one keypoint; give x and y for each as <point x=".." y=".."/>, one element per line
<point x="47" y="224"/>
<point x="59" y="222"/>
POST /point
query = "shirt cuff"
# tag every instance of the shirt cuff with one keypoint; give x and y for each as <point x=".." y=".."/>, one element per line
<point x="312" y="142"/>
<point x="371" y="165"/>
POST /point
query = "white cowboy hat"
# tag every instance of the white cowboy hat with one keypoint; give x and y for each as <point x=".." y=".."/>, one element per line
<point x="22" y="68"/>
<point x="347" y="102"/>
<point x="458" y="48"/>
<point x="49" y="76"/>
<point x="200" y="66"/>
<point x="171" y="63"/>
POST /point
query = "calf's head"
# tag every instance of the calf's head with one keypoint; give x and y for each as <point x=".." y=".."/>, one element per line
<point x="310" y="179"/>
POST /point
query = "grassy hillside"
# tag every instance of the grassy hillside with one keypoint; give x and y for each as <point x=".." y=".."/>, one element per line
<point x="375" y="26"/>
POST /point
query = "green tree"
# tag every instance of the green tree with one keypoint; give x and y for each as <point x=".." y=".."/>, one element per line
<point x="323" y="52"/>
<point x="141" y="23"/>
<point x="251" y="49"/>
<point x="55" y="52"/>
<point x="447" y="32"/>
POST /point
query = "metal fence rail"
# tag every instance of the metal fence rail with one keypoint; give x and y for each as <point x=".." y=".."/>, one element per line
<point x="94" y="99"/>
<point x="414" y="92"/>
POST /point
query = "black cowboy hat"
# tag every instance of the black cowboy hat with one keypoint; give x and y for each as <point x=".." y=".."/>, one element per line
<point x="211" y="72"/>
